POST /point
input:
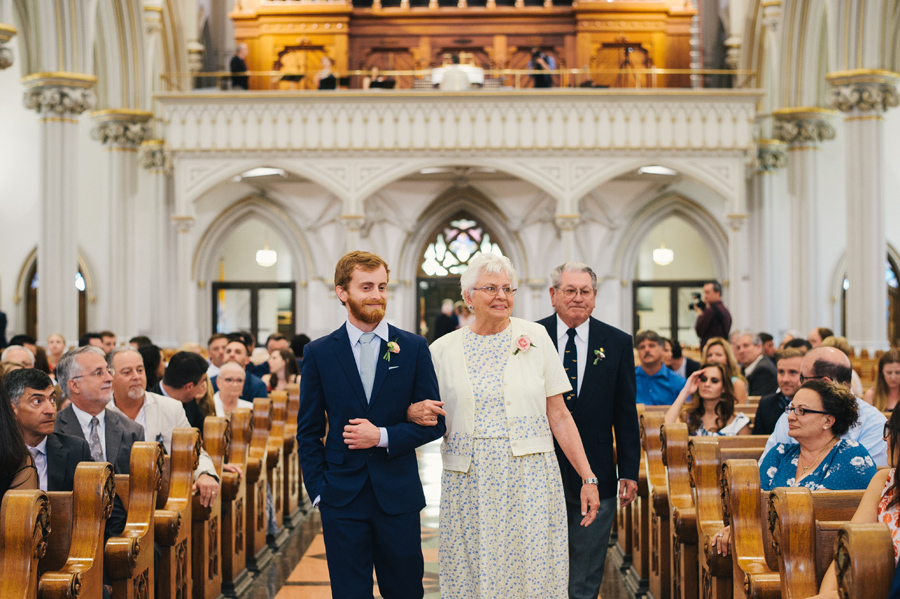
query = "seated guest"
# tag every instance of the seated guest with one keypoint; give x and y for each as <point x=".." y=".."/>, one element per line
<point x="237" y="351"/>
<point x="284" y="370"/>
<point x="274" y="342"/>
<point x="760" y="372"/>
<point x="139" y="341"/>
<point x="830" y="364"/>
<point x="817" y="335"/>
<point x="771" y="407"/>
<point x="297" y="345"/>
<point x="26" y="341"/>
<point x="797" y="343"/>
<point x="158" y="415"/>
<point x="55" y="455"/>
<point x="842" y="344"/>
<point x="718" y="351"/>
<point x="706" y="404"/>
<point x="56" y="347"/>
<point x="818" y="458"/>
<point x="18" y="354"/>
<point x="204" y="396"/>
<point x="182" y="378"/>
<point x="768" y="346"/>
<point x="109" y="340"/>
<point x="880" y="503"/>
<point x="17" y="471"/>
<point x="154" y="364"/>
<point x="91" y="339"/>
<point x="216" y="348"/>
<point x="886" y="392"/>
<point x="675" y="360"/>
<point x="656" y="384"/>
<point x="228" y="397"/>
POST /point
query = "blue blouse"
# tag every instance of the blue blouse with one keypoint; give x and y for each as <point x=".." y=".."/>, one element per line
<point x="847" y="466"/>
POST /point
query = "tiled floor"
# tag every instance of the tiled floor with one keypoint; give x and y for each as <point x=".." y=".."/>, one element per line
<point x="309" y="578"/>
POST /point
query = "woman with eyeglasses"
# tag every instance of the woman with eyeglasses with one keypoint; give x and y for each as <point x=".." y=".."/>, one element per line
<point x="880" y="503"/>
<point x="503" y="522"/>
<point x="718" y="351"/>
<point x="818" y="415"/>
<point x="706" y="404"/>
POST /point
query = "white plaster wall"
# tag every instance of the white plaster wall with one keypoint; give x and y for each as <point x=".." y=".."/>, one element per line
<point x="832" y="219"/>
<point x="892" y="177"/>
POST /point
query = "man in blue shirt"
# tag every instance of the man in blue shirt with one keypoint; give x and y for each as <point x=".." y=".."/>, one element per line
<point x="656" y="384"/>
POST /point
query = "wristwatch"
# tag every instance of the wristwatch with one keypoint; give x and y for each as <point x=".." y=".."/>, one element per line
<point x="589" y="481"/>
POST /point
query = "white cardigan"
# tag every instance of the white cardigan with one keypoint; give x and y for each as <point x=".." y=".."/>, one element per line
<point x="529" y="379"/>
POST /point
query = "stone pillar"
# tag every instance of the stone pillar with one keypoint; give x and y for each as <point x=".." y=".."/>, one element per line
<point x="122" y="131"/>
<point x="58" y="98"/>
<point x="354" y="224"/>
<point x="7" y="32"/>
<point x="567" y="223"/>
<point x="158" y="299"/>
<point x="863" y="95"/>
<point x="803" y="130"/>
<point x="737" y="296"/>
<point x="185" y="298"/>
<point x="770" y="199"/>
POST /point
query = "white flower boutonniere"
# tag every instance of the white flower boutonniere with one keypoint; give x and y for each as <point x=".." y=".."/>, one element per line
<point x="523" y="344"/>
<point x="598" y="355"/>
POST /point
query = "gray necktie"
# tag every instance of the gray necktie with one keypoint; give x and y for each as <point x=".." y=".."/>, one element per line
<point x="94" y="441"/>
<point x="367" y="363"/>
<point x="39" y="465"/>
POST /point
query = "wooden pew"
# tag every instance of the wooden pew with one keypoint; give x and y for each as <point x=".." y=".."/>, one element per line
<point x="864" y="560"/>
<point x="128" y="559"/>
<point x="659" y="578"/>
<point x="705" y="458"/>
<point x="206" y="526"/>
<point x="682" y="513"/>
<point x="293" y="482"/>
<point x="746" y="507"/>
<point x="259" y="554"/>
<point x="235" y="577"/>
<point x="73" y="564"/>
<point x="24" y="530"/>
<point x="275" y="464"/>
<point x="804" y="525"/>
<point x="172" y="524"/>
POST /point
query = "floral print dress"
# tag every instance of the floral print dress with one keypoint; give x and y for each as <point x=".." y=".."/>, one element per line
<point x="890" y="515"/>
<point x="503" y="530"/>
<point x="847" y="466"/>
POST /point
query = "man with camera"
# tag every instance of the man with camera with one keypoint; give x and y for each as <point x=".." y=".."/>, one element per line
<point x="713" y="318"/>
<point x="541" y="61"/>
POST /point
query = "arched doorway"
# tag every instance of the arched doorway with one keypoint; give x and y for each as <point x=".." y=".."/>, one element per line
<point x="892" y="281"/>
<point x="31" y="302"/>
<point x="445" y="257"/>
<point x="673" y="263"/>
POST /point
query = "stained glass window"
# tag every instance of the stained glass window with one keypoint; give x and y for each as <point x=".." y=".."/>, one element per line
<point x="458" y="243"/>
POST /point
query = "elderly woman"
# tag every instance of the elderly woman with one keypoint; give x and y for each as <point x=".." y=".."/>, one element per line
<point x="231" y="383"/>
<point x="706" y="404"/>
<point x="818" y="415"/>
<point x="503" y="515"/>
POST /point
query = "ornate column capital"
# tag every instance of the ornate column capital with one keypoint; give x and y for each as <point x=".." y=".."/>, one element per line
<point x="803" y="126"/>
<point x="771" y="155"/>
<point x="567" y="222"/>
<point x="155" y="158"/>
<point x="863" y="90"/>
<point x="195" y="56"/>
<point x="736" y="222"/>
<point x="121" y="127"/>
<point x="183" y="222"/>
<point x="771" y="14"/>
<point x="59" y="93"/>
<point x="7" y="32"/>
<point x="354" y="222"/>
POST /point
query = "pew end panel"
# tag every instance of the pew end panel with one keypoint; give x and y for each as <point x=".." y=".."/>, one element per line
<point x="864" y="564"/>
<point x="259" y="554"/>
<point x="235" y="576"/>
<point x="206" y="527"/>
<point x="24" y="532"/>
<point x="659" y="579"/>
<point x="682" y="513"/>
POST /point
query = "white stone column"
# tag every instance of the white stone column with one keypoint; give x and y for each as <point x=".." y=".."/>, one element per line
<point x="863" y="95"/>
<point x="158" y="299"/>
<point x="354" y="224"/>
<point x="122" y="131"/>
<point x="566" y="224"/>
<point x="185" y="298"/>
<point x="59" y="98"/>
<point x="773" y="231"/>
<point x="804" y="129"/>
<point x="736" y="296"/>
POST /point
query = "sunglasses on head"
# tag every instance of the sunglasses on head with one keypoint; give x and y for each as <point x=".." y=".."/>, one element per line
<point x="711" y="379"/>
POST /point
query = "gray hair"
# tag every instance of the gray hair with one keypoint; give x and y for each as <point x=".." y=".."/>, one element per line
<point x="556" y="275"/>
<point x="754" y="337"/>
<point x="487" y="263"/>
<point x="6" y="352"/>
<point x="120" y="350"/>
<point x="68" y="366"/>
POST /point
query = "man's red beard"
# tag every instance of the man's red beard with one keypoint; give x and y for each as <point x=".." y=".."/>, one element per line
<point x="366" y="312"/>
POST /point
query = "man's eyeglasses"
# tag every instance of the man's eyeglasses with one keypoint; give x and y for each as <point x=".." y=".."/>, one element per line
<point x="801" y="411"/>
<point x="493" y="291"/>
<point x="803" y="379"/>
<point x="571" y="292"/>
<point x="711" y="379"/>
<point x="97" y="373"/>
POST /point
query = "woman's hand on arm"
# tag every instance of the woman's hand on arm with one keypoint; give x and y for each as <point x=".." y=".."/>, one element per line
<point x="722" y="541"/>
<point x="566" y="433"/>
<point x="425" y="412"/>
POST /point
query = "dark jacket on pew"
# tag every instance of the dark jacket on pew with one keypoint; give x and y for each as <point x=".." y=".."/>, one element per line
<point x="770" y="409"/>
<point x="64" y="453"/>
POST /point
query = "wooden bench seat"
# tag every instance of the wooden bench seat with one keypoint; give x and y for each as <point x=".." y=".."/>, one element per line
<point x="293" y="481"/>
<point x="864" y="559"/>
<point x="275" y="464"/>
<point x="206" y="564"/>
<point x="259" y="554"/>
<point x="659" y="576"/>
<point x="24" y="531"/>
<point x="682" y="513"/>
<point x="236" y="578"/>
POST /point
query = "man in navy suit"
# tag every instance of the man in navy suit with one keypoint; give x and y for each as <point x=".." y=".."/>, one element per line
<point x="359" y="381"/>
<point x="600" y="363"/>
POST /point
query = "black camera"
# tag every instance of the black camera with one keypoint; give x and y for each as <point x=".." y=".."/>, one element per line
<point x="697" y="303"/>
<point x="536" y="54"/>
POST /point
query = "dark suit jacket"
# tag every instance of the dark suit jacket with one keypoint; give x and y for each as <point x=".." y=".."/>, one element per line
<point x="764" y="378"/>
<point x="606" y="404"/>
<point x="691" y="366"/>
<point x="64" y="453"/>
<point x="121" y="434"/>
<point x="769" y="410"/>
<point x="331" y="388"/>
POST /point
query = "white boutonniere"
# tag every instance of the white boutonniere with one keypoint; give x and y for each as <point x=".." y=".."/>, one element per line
<point x="598" y="355"/>
<point x="523" y="344"/>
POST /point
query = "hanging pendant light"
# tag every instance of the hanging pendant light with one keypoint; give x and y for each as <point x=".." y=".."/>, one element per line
<point x="663" y="255"/>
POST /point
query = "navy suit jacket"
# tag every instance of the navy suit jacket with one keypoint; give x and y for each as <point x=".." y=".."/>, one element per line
<point x="606" y="404"/>
<point x="331" y="393"/>
<point x="764" y="378"/>
<point x="64" y="453"/>
<point x="121" y="434"/>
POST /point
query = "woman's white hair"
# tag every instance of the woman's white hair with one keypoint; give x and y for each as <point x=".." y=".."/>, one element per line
<point x="487" y="263"/>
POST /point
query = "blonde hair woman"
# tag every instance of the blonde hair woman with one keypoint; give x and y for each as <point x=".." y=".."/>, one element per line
<point x="718" y="351"/>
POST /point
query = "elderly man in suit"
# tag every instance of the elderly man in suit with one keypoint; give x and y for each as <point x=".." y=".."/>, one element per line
<point x="55" y="455"/>
<point x="356" y="386"/>
<point x="157" y="414"/>
<point x="600" y="364"/>
<point x="759" y="370"/>
<point x="86" y="380"/>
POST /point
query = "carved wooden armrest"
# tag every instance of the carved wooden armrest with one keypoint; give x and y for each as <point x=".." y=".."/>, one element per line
<point x="25" y="528"/>
<point x="864" y="560"/>
<point x="682" y="513"/>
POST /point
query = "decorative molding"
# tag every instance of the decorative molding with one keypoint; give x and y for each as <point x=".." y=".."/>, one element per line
<point x="771" y="155"/>
<point x="155" y="158"/>
<point x="122" y="128"/>
<point x="57" y="99"/>
<point x="183" y="222"/>
<point x="863" y="90"/>
<point x="736" y="221"/>
<point x="195" y="52"/>
<point x="7" y="32"/>
<point x="804" y="125"/>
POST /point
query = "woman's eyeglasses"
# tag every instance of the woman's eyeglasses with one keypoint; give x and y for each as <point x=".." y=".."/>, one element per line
<point x="711" y="379"/>
<point x="494" y="291"/>
<point x="801" y="411"/>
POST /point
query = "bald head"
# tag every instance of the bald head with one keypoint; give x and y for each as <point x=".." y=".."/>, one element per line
<point x="827" y="363"/>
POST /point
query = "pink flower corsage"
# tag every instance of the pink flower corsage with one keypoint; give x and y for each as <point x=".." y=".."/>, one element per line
<point x="523" y="344"/>
<point x="392" y="348"/>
